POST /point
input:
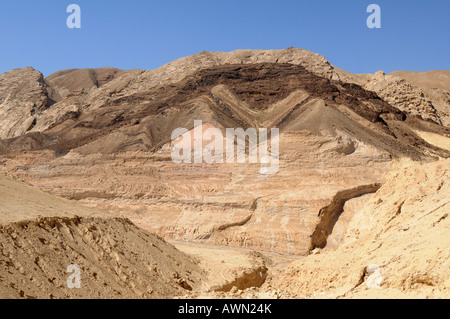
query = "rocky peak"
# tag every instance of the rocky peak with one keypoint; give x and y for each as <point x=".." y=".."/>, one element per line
<point x="23" y="98"/>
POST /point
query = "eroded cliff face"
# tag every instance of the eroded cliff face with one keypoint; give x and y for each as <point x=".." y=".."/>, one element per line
<point x="395" y="247"/>
<point x="434" y="86"/>
<point x="109" y="146"/>
<point x="24" y="95"/>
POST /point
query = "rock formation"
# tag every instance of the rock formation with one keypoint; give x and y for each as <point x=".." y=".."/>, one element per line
<point x="402" y="230"/>
<point x="102" y="137"/>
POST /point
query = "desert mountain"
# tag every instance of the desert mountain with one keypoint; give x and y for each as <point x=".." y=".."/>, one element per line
<point x="107" y="142"/>
<point x="102" y="137"/>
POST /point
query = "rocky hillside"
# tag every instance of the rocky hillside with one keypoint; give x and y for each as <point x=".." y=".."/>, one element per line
<point x="103" y="138"/>
<point x="24" y="95"/>
<point x="435" y="87"/>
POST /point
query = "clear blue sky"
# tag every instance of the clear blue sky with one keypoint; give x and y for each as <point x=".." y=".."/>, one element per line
<point x="146" y="34"/>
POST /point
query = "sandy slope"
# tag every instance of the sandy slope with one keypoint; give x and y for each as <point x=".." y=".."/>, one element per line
<point x="41" y="235"/>
<point x="21" y="202"/>
<point x="397" y="246"/>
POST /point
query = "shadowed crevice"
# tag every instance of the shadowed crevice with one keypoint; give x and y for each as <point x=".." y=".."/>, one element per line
<point x="329" y="214"/>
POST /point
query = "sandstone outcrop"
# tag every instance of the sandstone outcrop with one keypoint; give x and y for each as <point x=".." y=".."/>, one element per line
<point x="401" y="94"/>
<point x="435" y="86"/>
<point x="24" y="96"/>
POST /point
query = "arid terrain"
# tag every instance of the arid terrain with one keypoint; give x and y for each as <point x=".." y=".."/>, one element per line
<point x="357" y="209"/>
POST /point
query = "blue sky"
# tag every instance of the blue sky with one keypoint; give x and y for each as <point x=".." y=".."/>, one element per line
<point x="145" y="34"/>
